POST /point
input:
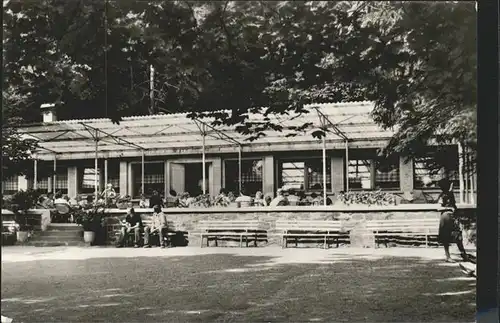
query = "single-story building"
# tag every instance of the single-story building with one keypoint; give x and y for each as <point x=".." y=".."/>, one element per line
<point x="167" y="153"/>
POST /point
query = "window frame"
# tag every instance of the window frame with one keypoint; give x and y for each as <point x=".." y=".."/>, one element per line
<point x="429" y="154"/>
<point x="136" y="186"/>
<point x="14" y="180"/>
<point x="224" y="177"/>
<point x="305" y="174"/>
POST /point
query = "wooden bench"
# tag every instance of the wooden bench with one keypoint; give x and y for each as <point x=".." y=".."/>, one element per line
<point x="114" y="228"/>
<point x="311" y="230"/>
<point x="244" y="230"/>
<point x="408" y="228"/>
<point x="167" y="234"/>
<point x="8" y="237"/>
<point x="6" y="224"/>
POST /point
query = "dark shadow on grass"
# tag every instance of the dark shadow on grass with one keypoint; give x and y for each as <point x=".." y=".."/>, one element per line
<point x="202" y="289"/>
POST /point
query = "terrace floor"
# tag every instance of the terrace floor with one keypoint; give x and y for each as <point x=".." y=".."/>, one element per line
<point x="71" y="284"/>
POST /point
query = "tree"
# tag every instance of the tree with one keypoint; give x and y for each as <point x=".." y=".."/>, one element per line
<point x="415" y="60"/>
<point x="425" y="77"/>
<point x="16" y="151"/>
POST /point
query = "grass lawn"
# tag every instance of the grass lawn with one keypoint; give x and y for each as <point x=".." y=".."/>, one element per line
<point x="228" y="287"/>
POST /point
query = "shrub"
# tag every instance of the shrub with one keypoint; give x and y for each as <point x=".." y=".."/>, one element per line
<point x="91" y="219"/>
<point x="368" y="198"/>
<point x="20" y="203"/>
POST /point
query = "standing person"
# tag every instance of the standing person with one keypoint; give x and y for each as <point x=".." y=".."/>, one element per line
<point x="155" y="199"/>
<point x="158" y="225"/>
<point x="133" y="224"/>
<point x="449" y="229"/>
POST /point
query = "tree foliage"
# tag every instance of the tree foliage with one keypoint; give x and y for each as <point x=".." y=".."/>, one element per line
<point x="416" y="60"/>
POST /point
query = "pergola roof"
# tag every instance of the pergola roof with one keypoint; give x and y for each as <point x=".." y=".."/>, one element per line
<point x="176" y="132"/>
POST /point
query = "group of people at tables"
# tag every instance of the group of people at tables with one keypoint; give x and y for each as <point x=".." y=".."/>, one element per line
<point x="50" y="200"/>
<point x="223" y="199"/>
<point x="283" y="198"/>
<point x="63" y="204"/>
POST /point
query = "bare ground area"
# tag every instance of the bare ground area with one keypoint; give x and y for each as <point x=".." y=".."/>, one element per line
<point x="232" y="284"/>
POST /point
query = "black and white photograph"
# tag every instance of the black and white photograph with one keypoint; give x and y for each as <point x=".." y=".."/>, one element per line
<point x="239" y="161"/>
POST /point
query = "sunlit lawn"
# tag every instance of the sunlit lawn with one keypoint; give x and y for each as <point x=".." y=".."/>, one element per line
<point x="229" y="288"/>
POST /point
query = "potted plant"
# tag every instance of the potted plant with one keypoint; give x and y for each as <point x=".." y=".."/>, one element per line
<point x="91" y="222"/>
<point x="20" y="203"/>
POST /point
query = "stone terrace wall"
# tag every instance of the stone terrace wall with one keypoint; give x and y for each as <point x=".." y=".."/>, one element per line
<point x="188" y="219"/>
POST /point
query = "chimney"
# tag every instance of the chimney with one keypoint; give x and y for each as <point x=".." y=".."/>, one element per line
<point x="48" y="112"/>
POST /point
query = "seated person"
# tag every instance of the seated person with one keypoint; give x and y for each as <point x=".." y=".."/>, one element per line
<point x="302" y="198"/>
<point x="221" y="199"/>
<point x="48" y="201"/>
<point x="280" y="199"/>
<point x="60" y="200"/>
<point x="158" y="226"/>
<point x="292" y="197"/>
<point x="42" y="202"/>
<point x="143" y="203"/>
<point x="231" y="198"/>
<point x="172" y="200"/>
<point x="185" y="200"/>
<point x="314" y="199"/>
<point x="267" y="200"/>
<point x="259" y="199"/>
<point x="155" y="199"/>
<point x="75" y="200"/>
<point x="244" y="198"/>
<point x="132" y="224"/>
<point x="87" y="202"/>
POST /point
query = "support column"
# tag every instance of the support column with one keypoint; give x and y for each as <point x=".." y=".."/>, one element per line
<point x="96" y="169"/>
<point x="461" y="173"/>
<point x="406" y="174"/>
<point x="268" y="175"/>
<point x="123" y="178"/>
<point x="338" y="171"/>
<point x="347" y="166"/>
<point x="35" y="174"/>
<point x="54" y="184"/>
<point x="239" y="169"/>
<point x="105" y="172"/>
<point x="324" y="170"/>
<point x="470" y="178"/>
<point x="130" y="181"/>
<point x="23" y="183"/>
<point x="203" y="161"/>
<point x="72" y="181"/>
<point x="373" y="174"/>
<point x="216" y="176"/>
<point x="142" y="174"/>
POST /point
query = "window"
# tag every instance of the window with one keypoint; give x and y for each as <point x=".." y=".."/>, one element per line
<point x="62" y="180"/>
<point x="154" y="178"/>
<point x="304" y="175"/>
<point x="251" y="175"/>
<point x="45" y="171"/>
<point x="314" y="168"/>
<point x="292" y="175"/>
<point x="360" y="174"/>
<point x="43" y="185"/>
<point x="10" y="185"/>
<point x="387" y="174"/>
<point x="87" y="179"/>
<point x="435" y="164"/>
<point x="114" y="175"/>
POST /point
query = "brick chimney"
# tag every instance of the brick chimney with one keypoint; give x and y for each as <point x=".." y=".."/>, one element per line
<point x="48" y="112"/>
